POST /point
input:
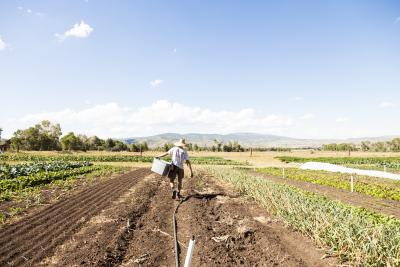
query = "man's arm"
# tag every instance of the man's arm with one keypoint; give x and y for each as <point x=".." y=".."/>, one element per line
<point x="190" y="167"/>
<point x="162" y="155"/>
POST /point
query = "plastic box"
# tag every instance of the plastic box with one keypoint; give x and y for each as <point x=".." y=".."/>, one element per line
<point x="161" y="167"/>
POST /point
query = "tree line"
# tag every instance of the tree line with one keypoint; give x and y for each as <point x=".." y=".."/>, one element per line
<point x="389" y="146"/>
<point x="218" y="146"/>
<point x="46" y="136"/>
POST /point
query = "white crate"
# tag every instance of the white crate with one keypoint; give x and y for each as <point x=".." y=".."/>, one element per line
<point x="160" y="166"/>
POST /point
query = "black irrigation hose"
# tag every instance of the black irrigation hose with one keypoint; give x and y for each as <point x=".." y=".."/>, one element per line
<point x="198" y="196"/>
<point x="176" y="245"/>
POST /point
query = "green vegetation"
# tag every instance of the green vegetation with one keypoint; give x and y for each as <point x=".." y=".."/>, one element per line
<point x="109" y="158"/>
<point x="24" y="169"/>
<point x="43" y="136"/>
<point x="353" y="234"/>
<point x="376" y="187"/>
<point x="36" y="179"/>
<point x="340" y="147"/>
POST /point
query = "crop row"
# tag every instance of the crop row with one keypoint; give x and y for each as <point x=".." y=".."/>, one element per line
<point x="40" y="178"/>
<point x="353" y="234"/>
<point x="391" y="162"/>
<point x="376" y="187"/>
<point x="12" y="171"/>
<point x="109" y="158"/>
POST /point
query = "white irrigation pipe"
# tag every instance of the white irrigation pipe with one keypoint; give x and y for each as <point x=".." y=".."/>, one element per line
<point x="189" y="253"/>
<point x="351" y="171"/>
<point x="352" y="183"/>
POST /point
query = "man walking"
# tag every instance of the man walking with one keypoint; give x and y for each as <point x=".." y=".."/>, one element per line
<point x="179" y="156"/>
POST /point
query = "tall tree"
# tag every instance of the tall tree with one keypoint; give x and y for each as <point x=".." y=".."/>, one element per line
<point x="70" y="142"/>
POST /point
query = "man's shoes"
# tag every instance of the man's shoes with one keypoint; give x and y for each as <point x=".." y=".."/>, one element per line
<point x="179" y="195"/>
<point x="173" y="194"/>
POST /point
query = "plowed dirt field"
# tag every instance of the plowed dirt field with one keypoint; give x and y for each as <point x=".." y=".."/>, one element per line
<point x="127" y="221"/>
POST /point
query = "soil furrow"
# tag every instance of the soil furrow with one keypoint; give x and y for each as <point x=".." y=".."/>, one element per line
<point x="116" y="255"/>
<point x="104" y="239"/>
<point x="71" y="206"/>
<point x="153" y="238"/>
<point x="40" y="217"/>
<point x="51" y="232"/>
<point x="27" y="242"/>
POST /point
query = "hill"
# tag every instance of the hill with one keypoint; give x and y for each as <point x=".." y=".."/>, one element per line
<point x="247" y="140"/>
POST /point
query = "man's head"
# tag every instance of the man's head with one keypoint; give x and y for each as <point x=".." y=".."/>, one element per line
<point x="181" y="143"/>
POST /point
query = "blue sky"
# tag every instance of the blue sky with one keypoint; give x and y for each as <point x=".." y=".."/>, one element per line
<point x="311" y="69"/>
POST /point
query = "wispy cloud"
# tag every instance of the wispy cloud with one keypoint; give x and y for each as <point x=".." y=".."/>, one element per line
<point x="3" y="44"/>
<point x="175" y="50"/>
<point x="342" y="119"/>
<point x="307" y="116"/>
<point x="29" y="11"/>
<point x="156" y="83"/>
<point x="387" y="105"/>
<point x="79" y="30"/>
<point x="297" y="98"/>
<point x="397" y="20"/>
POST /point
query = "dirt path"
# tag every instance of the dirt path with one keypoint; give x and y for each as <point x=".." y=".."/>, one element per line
<point x="385" y="206"/>
<point x="127" y="221"/>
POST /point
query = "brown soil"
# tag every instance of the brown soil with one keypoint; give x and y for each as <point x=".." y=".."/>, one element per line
<point x="385" y="206"/>
<point x="31" y="203"/>
<point x="28" y="241"/>
<point x="127" y="221"/>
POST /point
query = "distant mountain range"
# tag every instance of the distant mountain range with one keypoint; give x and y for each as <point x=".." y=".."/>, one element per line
<point x="247" y="140"/>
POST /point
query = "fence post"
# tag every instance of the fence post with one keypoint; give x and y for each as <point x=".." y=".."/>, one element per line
<point x="384" y="168"/>
<point x="283" y="172"/>
<point x="352" y="183"/>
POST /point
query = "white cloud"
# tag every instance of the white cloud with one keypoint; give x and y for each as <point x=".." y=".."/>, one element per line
<point x="175" y="50"/>
<point x="397" y="20"/>
<point x="387" y="105"/>
<point x="156" y="83"/>
<point x="79" y="30"/>
<point x="3" y="44"/>
<point x="114" y="120"/>
<point x="307" y="116"/>
<point x="30" y="11"/>
<point x="342" y="119"/>
<point x="297" y="98"/>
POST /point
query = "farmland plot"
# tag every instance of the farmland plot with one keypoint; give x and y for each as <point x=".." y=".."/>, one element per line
<point x="127" y="221"/>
